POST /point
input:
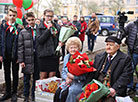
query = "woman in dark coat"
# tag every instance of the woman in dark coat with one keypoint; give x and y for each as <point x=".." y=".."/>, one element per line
<point x="47" y="41"/>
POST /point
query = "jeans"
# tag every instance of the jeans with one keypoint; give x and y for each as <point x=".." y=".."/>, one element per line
<point x="91" y="39"/>
<point x="27" y="78"/>
<point x="134" y="63"/>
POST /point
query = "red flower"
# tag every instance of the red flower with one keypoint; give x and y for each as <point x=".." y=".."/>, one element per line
<point x="87" y="94"/>
<point x="83" y="66"/>
<point x="74" y="56"/>
<point x="77" y="60"/>
<point x="82" y="59"/>
<point x="91" y="63"/>
<point x="88" y="87"/>
<point x="82" y="95"/>
<point x="94" y="87"/>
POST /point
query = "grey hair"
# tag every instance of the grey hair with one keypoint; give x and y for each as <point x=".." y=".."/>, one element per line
<point x="74" y="41"/>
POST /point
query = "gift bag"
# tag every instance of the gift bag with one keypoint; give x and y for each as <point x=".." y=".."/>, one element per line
<point x="48" y="85"/>
<point x="97" y="94"/>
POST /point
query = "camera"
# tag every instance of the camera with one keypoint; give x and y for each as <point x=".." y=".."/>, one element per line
<point x="122" y="20"/>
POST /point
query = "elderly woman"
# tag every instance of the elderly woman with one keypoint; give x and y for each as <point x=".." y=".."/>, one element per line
<point x="71" y="85"/>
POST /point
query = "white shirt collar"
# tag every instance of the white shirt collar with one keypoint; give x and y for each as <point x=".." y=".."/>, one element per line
<point x="33" y="27"/>
<point x="11" y="28"/>
<point x="112" y="56"/>
<point x="11" y="23"/>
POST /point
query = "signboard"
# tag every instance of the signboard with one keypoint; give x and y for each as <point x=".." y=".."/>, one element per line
<point x="5" y="2"/>
<point x="9" y="2"/>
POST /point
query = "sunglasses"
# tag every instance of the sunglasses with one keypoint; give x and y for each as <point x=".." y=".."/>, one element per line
<point x="49" y="16"/>
<point x="30" y="20"/>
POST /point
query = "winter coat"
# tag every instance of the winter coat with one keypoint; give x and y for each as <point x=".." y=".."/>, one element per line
<point x="78" y="26"/>
<point x="82" y="31"/>
<point x="121" y="71"/>
<point x="26" y="50"/>
<point x="13" y="43"/>
<point x="46" y="42"/>
<point x="93" y="26"/>
<point x="130" y="33"/>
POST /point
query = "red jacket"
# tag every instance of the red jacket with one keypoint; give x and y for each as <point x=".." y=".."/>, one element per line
<point x="83" y="29"/>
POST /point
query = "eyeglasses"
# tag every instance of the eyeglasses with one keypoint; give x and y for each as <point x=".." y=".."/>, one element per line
<point x="30" y="20"/>
<point x="49" y="16"/>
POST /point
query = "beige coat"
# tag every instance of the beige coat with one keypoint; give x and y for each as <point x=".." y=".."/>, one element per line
<point x="93" y="26"/>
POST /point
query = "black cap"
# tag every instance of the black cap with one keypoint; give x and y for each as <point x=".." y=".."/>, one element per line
<point x="113" y="39"/>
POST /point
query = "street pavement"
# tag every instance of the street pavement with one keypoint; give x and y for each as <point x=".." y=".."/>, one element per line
<point x="99" y="44"/>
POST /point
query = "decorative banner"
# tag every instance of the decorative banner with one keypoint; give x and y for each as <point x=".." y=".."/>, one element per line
<point x="19" y="21"/>
<point x="18" y="3"/>
<point x="19" y="13"/>
<point x="27" y="4"/>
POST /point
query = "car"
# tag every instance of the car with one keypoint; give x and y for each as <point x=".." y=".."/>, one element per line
<point x="108" y="24"/>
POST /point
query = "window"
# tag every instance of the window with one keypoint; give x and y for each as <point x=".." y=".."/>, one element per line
<point x="128" y="1"/>
<point x="136" y="2"/>
<point x="105" y="20"/>
<point x="109" y="11"/>
<point x="136" y="11"/>
<point x="65" y="11"/>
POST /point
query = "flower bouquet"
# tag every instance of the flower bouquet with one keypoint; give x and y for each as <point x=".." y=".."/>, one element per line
<point x="65" y="33"/>
<point x="80" y="64"/>
<point x="93" y="91"/>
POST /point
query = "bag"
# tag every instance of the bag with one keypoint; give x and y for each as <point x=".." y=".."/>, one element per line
<point x="96" y="95"/>
<point x="88" y="32"/>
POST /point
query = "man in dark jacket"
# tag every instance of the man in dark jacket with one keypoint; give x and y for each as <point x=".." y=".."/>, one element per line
<point x="116" y="65"/>
<point x="27" y="55"/>
<point x="8" y="54"/>
<point x="131" y="32"/>
<point x="77" y="24"/>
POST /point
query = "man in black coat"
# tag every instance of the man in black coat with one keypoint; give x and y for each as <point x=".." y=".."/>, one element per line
<point x="131" y="34"/>
<point x="116" y="65"/>
<point x="77" y="24"/>
<point x="8" y="54"/>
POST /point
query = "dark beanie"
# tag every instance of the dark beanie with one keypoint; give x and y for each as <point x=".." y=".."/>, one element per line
<point x="113" y="39"/>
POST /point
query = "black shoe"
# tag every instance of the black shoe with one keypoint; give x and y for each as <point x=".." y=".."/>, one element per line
<point x="33" y="100"/>
<point x="5" y="97"/>
<point x="26" y="99"/>
<point x="14" y="98"/>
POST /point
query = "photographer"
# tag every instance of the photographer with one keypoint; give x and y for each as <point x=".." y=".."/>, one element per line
<point x="131" y="34"/>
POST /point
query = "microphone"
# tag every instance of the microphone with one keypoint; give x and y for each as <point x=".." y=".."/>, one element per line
<point x="51" y="30"/>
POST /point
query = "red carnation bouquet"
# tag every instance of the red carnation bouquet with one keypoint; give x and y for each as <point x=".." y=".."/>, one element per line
<point x="80" y="64"/>
<point x="87" y="91"/>
<point x="93" y="91"/>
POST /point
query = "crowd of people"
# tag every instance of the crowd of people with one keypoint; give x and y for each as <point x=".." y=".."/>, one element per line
<point x="33" y="44"/>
